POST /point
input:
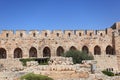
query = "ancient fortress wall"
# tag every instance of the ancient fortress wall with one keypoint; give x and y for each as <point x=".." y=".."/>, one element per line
<point x="103" y="44"/>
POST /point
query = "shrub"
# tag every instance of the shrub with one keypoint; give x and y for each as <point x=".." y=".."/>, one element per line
<point x="78" y="56"/>
<point x="26" y="60"/>
<point x="108" y="73"/>
<point x="32" y="76"/>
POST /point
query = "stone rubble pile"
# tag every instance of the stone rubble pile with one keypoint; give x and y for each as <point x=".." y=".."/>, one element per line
<point x="59" y="68"/>
<point x="60" y="61"/>
<point x="32" y="63"/>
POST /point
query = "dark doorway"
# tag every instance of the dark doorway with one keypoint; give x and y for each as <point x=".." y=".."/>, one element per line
<point x="72" y="48"/>
<point x="17" y="53"/>
<point x="97" y="50"/>
<point x="85" y="49"/>
<point x="46" y="52"/>
<point x="109" y="50"/>
<point x="2" y="53"/>
<point x="33" y="52"/>
<point x="60" y="51"/>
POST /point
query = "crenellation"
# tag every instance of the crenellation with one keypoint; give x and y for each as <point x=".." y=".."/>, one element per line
<point x="90" y="33"/>
<point x="7" y="34"/>
<point x="68" y="33"/>
<point x="34" y="33"/>
<point x="57" y="33"/>
<point x="79" y="33"/>
<point x="101" y="33"/>
<point x="20" y="34"/>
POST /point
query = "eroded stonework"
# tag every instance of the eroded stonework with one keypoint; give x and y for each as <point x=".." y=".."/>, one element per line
<point x="104" y="45"/>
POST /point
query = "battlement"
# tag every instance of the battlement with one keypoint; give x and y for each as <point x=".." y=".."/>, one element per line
<point x="59" y="33"/>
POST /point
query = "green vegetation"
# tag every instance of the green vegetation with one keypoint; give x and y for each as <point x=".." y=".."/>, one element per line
<point x="24" y="61"/>
<point x="41" y="62"/>
<point x="108" y="73"/>
<point x="32" y="76"/>
<point x="78" y="56"/>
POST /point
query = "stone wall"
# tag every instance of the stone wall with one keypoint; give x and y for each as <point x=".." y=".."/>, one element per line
<point x="46" y="43"/>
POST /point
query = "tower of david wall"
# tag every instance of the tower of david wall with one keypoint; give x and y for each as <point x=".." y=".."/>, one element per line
<point x="104" y="45"/>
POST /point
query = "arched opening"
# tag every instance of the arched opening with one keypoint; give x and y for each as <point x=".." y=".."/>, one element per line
<point x="2" y="53"/>
<point x="69" y="34"/>
<point x="109" y="50"/>
<point x="79" y="34"/>
<point x="17" y="53"/>
<point x="33" y="52"/>
<point x="72" y="48"/>
<point x="101" y="34"/>
<point x="45" y="34"/>
<point x="85" y="49"/>
<point x="97" y="50"/>
<point x="7" y="35"/>
<point x="90" y="34"/>
<point x="46" y="52"/>
<point x="34" y="34"/>
<point x="21" y="35"/>
<point x="60" y="51"/>
<point x="57" y="34"/>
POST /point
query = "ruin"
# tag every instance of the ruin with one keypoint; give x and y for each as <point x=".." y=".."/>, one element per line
<point x="104" y="45"/>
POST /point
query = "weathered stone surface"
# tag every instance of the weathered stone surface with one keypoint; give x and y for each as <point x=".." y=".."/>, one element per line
<point x="32" y="63"/>
<point x="60" y="61"/>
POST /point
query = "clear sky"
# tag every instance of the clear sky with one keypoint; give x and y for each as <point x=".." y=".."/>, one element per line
<point x="58" y="14"/>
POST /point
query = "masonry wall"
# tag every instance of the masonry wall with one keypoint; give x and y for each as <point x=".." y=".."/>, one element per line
<point x="10" y="40"/>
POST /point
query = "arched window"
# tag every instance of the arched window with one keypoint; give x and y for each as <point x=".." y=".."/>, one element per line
<point x="97" y="50"/>
<point x="85" y="49"/>
<point x="17" y="53"/>
<point x="72" y="48"/>
<point x="46" y="52"/>
<point x="60" y="51"/>
<point x="3" y="54"/>
<point x="33" y="52"/>
<point x="109" y="50"/>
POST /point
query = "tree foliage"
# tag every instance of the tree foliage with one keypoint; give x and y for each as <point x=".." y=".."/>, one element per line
<point x="78" y="56"/>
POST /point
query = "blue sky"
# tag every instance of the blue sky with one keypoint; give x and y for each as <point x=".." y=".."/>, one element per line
<point x="58" y="14"/>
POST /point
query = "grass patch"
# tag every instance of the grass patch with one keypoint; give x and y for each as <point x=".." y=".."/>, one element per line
<point x="32" y="76"/>
<point x="108" y="73"/>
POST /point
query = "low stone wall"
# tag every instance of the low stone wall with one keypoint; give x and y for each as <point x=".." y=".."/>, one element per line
<point x="10" y="65"/>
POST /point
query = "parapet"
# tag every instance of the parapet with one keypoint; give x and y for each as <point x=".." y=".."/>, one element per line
<point x="116" y="25"/>
<point x="58" y="33"/>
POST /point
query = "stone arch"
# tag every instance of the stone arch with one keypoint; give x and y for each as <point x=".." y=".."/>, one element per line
<point x="109" y="50"/>
<point x="18" y="53"/>
<point x="85" y="49"/>
<point x="46" y="52"/>
<point x="33" y="52"/>
<point x="60" y="51"/>
<point x="3" y="53"/>
<point x="97" y="50"/>
<point x="72" y="48"/>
